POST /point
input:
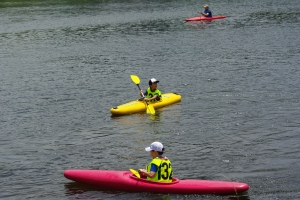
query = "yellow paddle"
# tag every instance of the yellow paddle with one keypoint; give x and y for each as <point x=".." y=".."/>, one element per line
<point x="136" y="173"/>
<point x="136" y="80"/>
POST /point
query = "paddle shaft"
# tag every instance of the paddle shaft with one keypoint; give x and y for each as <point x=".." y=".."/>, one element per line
<point x="136" y="80"/>
<point x="150" y="109"/>
<point x="142" y="93"/>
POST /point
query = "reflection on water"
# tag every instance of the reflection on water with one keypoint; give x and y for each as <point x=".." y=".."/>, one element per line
<point x="168" y="113"/>
<point x="202" y="22"/>
<point x="243" y="197"/>
<point x="84" y="191"/>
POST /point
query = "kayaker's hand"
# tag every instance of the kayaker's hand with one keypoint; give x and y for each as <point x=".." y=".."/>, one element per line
<point x="142" y="172"/>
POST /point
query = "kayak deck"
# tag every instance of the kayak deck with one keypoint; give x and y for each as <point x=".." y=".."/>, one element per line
<point x="202" y="18"/>
<point x="137" y="106"/>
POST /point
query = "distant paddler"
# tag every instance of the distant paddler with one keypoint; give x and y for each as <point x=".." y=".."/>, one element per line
<point x="207" y="12"/>
<point x="152" y="94"/>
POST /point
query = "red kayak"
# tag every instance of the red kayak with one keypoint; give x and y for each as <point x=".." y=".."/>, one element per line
<point x="201" y="18"/>
<point x="126" y="181"/>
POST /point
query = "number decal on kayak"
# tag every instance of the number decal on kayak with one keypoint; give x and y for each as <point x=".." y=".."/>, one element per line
<point x="165" y="172"/>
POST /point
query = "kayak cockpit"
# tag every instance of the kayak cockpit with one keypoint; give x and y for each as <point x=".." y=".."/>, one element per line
<point x="143" y="179"/>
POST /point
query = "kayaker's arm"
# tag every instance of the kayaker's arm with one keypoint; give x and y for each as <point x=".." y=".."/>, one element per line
<point x="141" y="93"/>
<point x="148" y="174"/>
<point x="204" y="14"/>
<point x="152" y="98"/>
<point x="145" y="94"/>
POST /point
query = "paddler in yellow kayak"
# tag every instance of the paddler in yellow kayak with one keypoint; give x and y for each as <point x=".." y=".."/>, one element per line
<point x="152" y="94"/>
<point x="160" y="168"/>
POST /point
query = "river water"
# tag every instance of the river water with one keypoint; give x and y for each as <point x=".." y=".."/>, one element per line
<point x="65" y="63"/>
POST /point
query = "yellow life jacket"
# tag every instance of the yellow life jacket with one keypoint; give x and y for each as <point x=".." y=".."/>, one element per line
<point x="151" y="94"/>
<point x="164" y="172"/>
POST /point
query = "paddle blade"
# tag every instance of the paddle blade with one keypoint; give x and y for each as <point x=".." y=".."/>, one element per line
<point x="150" y="110"/>
<point x="136" y="173"/>
<point x="135" y="79"/>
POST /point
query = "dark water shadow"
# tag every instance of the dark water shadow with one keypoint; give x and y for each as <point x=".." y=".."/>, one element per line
<point x="74" y="188"/>
<point x="199" y="24"/>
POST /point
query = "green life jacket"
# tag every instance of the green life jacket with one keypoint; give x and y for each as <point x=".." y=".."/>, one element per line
<point x="151" y="94"/>
<point x="164" y="172"/>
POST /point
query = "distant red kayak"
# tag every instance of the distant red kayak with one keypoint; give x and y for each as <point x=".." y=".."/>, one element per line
<point x="125" y="181"/>
<point x="201" y="18"/>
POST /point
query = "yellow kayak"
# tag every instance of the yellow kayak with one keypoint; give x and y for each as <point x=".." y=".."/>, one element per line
<point x="140" y="106"/>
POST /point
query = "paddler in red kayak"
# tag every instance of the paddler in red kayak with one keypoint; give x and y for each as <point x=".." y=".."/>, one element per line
<point x="207" y="12"/>
<point x="152" y="94"/>
<point x="160" y="168"/>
